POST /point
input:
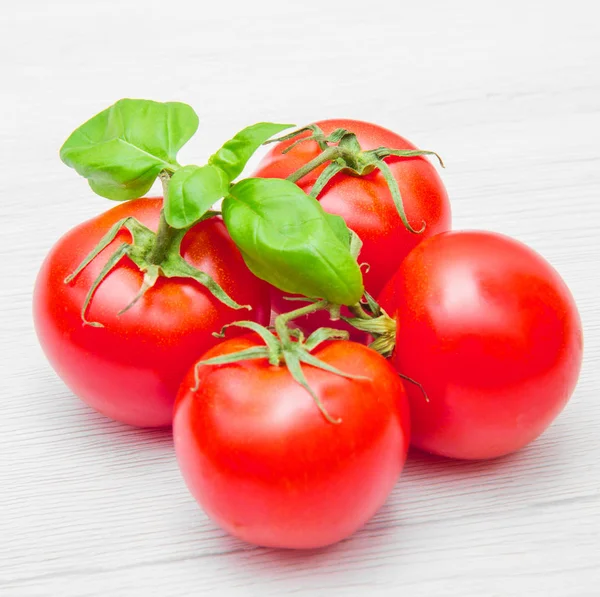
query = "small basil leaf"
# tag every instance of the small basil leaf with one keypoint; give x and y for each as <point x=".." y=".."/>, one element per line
<point x="287" y="239"/>
<point x="192" y="191"/>
<point x="234" y="154"/>
<point x="122" y="149"/>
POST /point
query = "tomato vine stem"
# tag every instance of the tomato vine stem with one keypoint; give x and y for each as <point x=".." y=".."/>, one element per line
<point x="166" y="235"/>
<point x="329" y="154"/>
<point x="282" y="321"/>
<point x="359" y="312"/>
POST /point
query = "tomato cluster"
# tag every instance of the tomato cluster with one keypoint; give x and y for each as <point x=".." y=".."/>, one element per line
<point x="465" y="344"/>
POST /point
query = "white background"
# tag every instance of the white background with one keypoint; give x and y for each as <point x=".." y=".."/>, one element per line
<point x="508" y="93"/>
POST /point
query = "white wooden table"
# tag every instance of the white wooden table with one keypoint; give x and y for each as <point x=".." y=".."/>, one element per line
<point x="509" y="94"/>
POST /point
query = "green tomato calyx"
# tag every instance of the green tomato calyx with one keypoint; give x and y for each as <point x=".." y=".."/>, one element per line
<point x="155" y="254"/>
<point x="285" y="346"/>
<point x="341" y="152"/>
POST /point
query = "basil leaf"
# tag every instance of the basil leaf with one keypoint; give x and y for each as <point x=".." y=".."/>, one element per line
<point x="288" y="240"/>
<point x="234" y="154"/>
<point x="122" y="149"/>
<point x="338" y="225"/>
<point x="347" y="236"/>
<point x="356" y="245"/>
<point x="192" y="191"/>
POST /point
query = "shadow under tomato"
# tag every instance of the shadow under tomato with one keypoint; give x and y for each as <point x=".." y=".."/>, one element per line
<point x="70" y="420"/>
<point x="549" y="447"/>
<point x="280" y="563"/>
<point x="432" y="465"/>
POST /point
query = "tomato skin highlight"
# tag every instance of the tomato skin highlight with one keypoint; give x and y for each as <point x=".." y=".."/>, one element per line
<point x="366" y="204"/>
<point x="131" y="368"/>
<point x="493" y="334"/>
<point x="267" y="467"/>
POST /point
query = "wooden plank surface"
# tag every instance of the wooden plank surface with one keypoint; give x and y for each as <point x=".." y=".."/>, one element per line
<point x="508" y="93"/>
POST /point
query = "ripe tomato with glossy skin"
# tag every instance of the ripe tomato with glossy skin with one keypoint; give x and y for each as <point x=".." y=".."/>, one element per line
<point x="131" y="368"/>
<point x="366" y="204"/>
<point x="492" y="332"/>
<point x="264" y="463"/>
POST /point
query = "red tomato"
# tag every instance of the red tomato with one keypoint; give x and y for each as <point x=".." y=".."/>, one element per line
<point x="264" y="463"/>
<point x="130" y="369"/>
<point x="366" y="204"/>
<point x="492" y="333"/>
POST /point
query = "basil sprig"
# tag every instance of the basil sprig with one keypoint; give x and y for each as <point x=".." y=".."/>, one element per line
<point x="284" y="235"/>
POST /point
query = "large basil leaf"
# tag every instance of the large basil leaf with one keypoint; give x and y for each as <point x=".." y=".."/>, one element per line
<point x="287" y="239"/>
<point x="234" y="154"/>
<point x="122" y="149"/>
<point x="192" y="191"/>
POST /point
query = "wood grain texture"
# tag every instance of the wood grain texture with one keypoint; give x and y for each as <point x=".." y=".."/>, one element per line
<point x="508" y="93"/>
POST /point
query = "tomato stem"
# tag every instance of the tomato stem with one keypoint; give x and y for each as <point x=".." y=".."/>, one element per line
<point x="282" y="321"/>
<point x="359" y="312"/>
<point x="331" y="153"/>
<point x="166" y="235"/>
